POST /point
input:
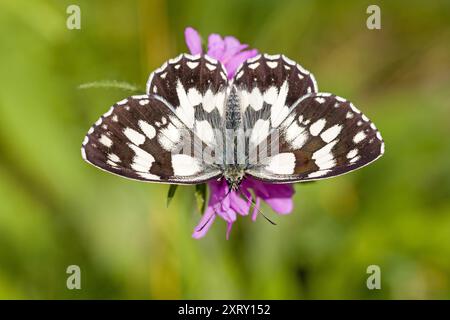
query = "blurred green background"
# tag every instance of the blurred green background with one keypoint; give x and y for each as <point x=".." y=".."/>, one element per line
<point x="56" y="210"/>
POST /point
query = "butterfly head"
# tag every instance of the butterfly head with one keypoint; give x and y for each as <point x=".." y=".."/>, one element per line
<point x="234" y="176"/>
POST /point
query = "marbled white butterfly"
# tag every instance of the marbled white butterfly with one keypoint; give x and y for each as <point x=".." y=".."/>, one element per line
<point x="269" y="122"/>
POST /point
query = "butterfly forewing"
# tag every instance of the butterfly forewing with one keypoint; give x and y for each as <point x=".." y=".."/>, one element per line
<point x="323" y="136"/>
<point x="195" y="86"/>
<point x="268" y="85"/>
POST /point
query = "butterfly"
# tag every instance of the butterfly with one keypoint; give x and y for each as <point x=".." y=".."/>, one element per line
<point x="268" y="122"/>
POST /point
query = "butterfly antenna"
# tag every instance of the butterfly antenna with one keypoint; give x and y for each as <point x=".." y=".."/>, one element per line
<point x="255" y="206"/>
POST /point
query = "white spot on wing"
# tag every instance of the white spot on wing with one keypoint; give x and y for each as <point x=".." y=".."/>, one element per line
<point x="185" y="111"/>
<point x="211" y="67"/>
<point x="104" y="140"/>
<point x="331" y="133"/>
<point x="192" y="65"/>
<point x="134" y="136"/>
<point x="282" y="163"/>
<point x="255" y="99"/>
<point x="211" y="60"/>
<point x="272" y="57"/>
<point x="256" y="58"/>
<point x="83" y="153"/>
<point x="320" y="100"/>
<point x="359" y="137"/>
<point x="113" y="157"/>
<point x="352" y="153"/>
<point x="288" y="61"/>
<point x="296" y="135"/>
<point x="317" y="127"/>
<point x="109" y="112"/>
<point x="318" y="174"/>
<point x="148" y="176"/>
<point x="204" y="131"/>
<point x="194" y="96"/>
<point x="121" y="102"/>
<point x="354" y="159"/>
<point x="324" y="156"/>
<point x="142" y="161"/>
<point x="253" y="65"/>
<point x="208" y="101"/>
<point x="272" y="64"/>
<point x="354" y="108"/>
<point x="260" y="132"/>
<point x="169" y="137"/>
<point x="176" y="59"/>
<point x="271" y="95"/>
<point x="279" y="110"/>
<point x="379" y="136"/>
<point x="140" y="96"/>
<point x="147" y="129"/>
<point x="184" y="165"/>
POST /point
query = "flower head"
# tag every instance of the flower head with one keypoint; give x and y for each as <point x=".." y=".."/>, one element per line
<point x="228" y="50"/>
<point x="223" y="202"/>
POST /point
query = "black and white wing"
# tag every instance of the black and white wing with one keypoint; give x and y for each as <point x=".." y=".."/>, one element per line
<point x="153" y="137"/>
<point x="296" y="133"/>
<point x="323" y="136"/>
<point x="267" y="86"/>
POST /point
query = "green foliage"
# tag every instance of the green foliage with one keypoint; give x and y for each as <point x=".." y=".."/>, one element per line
<point x="56" y="210"/>
<point x="171" y="193"/>
<point x="200" y="196"/>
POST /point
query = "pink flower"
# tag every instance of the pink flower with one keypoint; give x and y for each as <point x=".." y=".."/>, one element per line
<point x="231" y="53"/>
<point x="228" y="50"/>
<point x="277" y="196"/>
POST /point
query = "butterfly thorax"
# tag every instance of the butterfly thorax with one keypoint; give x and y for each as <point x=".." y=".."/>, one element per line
<point x="233" y="175"/>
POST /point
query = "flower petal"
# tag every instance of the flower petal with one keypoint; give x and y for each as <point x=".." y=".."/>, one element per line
<point x="279" y="197"/>
<point x="216" y="46"/>
<point x="237" y="60"/>
<point x="205" y="223"/>
<point x="238" y="204"/>
<point x="281" y="205"/>
<point x="232" y="47"/>
<point x="193" y="40"/>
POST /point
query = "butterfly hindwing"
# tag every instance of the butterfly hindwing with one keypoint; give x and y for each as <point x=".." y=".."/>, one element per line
<point x="323" y="136"/>
<point x="141" y="138"/>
